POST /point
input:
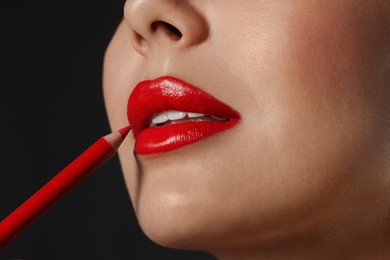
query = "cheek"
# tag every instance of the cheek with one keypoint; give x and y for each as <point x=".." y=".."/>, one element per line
<point x="310" y="115"/>
<point x="323" y="109"/>
<point x="300" y="75"/>
<point x="327" y="83"/>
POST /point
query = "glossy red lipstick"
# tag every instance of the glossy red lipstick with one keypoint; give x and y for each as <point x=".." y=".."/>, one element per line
<point x="153" y="97"/>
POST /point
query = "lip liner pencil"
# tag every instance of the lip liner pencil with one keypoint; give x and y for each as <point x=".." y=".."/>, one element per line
<point x="89" y="161"/>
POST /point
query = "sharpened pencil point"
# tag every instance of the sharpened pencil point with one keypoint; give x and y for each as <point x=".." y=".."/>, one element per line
<point x="124" y="131"/>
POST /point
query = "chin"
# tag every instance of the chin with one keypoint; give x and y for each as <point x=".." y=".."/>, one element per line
<point x="175" y="221"/>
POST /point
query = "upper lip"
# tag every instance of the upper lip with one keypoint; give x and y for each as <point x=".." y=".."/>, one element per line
<point x="166" y="93"/>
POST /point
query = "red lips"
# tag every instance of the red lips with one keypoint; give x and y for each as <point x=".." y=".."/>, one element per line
<point x="152" y="97"/>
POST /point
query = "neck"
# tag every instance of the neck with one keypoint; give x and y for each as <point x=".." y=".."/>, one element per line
<point x="335" y="248"/>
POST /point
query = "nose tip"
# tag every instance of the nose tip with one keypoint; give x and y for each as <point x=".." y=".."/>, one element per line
<point x="155" y="23"/>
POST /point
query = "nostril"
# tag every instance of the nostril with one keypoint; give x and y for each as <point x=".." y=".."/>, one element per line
<point x="169" y="29"/>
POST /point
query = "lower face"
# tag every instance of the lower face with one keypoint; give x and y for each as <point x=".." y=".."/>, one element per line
<point x="309" y="81"/>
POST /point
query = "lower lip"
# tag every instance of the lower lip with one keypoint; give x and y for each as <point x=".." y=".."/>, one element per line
<point x="170" y="137"/>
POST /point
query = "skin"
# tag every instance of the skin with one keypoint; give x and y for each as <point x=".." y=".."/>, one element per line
<point x="306" y="174"/>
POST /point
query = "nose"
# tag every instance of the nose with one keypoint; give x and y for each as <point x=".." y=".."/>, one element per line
<point x="156" y="24"/>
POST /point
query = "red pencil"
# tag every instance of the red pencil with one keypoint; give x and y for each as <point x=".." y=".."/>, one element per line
<point x="94" y="157"/>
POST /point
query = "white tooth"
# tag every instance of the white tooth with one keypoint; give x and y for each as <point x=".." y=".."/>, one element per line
<point x="161" y="118"/>
<point x="192" y="115"/>
<point x="175" y="115"/>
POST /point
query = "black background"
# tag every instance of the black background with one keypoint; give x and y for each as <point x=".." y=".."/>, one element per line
<point x="51" y="110"/>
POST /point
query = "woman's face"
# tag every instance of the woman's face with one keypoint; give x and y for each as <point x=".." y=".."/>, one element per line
<point x="310" y="80"/>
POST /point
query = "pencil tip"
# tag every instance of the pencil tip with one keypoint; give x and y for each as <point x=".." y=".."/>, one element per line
<point x="124" y="131"/>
